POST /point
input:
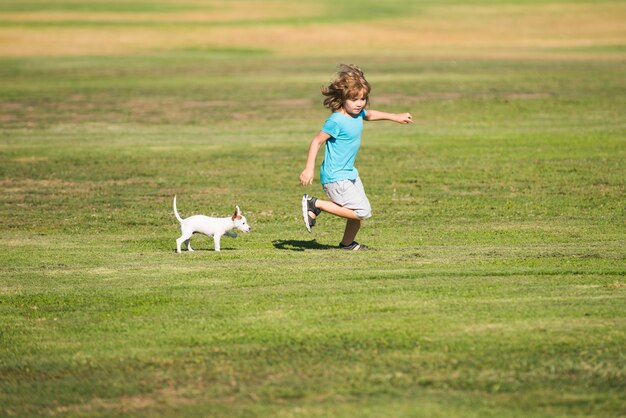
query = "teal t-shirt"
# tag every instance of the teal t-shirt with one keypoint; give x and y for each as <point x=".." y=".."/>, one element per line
<point x="342" y="147"/>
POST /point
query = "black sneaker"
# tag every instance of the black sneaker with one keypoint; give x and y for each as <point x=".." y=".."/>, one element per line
<point x="355" y="246"/>
<point x="308" y="205"/>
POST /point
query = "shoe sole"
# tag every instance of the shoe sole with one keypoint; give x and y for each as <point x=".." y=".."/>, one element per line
<point x="305" y="212"/>
<point x="357" y="247"/>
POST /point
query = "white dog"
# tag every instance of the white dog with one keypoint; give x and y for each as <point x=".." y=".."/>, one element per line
<point x="215" y="227"/>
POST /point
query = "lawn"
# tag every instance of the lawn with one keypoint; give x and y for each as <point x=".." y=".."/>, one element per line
<point x="495" y="284"/>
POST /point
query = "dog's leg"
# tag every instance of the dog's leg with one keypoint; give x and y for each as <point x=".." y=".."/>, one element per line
<point x="188" y="244"/>
<point x="216" y="241"/>
<point x="185" y="237"/>
<point x="179" y="242"/>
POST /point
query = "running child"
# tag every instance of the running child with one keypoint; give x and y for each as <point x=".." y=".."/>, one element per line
<point x="347" y="97"/>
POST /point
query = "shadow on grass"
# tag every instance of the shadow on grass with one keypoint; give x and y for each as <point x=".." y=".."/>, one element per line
<point x="295" y="245"/>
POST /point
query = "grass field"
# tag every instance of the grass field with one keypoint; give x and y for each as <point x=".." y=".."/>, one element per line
<point x="495" y="285"/>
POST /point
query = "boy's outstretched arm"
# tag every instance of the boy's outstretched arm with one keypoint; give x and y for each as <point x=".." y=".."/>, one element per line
<point x="396" y="117"/>
<point x="306" y="177"/>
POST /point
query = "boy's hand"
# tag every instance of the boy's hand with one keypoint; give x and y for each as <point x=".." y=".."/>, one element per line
<point x="404" y="118"/>
<point x="306" y="177"/>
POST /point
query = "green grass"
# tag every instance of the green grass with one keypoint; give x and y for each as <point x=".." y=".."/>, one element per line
<point x="494" y="287"/>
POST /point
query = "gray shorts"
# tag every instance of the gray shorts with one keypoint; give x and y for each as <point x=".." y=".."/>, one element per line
<point x="349" y="194"/>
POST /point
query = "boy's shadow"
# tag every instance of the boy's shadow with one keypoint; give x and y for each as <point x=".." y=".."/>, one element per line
<point x="296" y="245"/>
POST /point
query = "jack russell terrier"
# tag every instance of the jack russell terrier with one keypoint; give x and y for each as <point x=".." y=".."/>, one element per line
<point x="215" y="227"/>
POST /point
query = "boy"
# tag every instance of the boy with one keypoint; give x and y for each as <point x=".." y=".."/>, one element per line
<point x="347" y="98"/>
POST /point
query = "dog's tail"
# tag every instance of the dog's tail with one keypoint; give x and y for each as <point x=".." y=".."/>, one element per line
<point x="176" y="211"/>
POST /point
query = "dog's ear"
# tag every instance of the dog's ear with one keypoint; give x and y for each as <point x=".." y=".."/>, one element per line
<point x="237" y="213"/>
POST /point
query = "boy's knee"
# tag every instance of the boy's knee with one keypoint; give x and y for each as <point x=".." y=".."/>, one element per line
<point x="363" y="213"/>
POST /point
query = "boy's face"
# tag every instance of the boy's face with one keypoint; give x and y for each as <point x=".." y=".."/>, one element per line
<point x="354" y="106"/>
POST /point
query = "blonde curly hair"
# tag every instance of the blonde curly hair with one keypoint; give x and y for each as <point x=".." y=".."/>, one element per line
<point x="348" y="85"/>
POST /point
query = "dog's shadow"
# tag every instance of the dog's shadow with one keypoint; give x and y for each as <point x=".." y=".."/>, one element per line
<point x="296" y="245"/>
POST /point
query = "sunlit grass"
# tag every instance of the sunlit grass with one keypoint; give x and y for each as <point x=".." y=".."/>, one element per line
<point x="495" y="281"/>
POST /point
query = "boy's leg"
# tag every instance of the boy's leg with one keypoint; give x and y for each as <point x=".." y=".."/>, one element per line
<point x="348" y="194"/>
<point x="352" y="228"/>
<point x="312" y="207"/>
<point x="353" y="223"/>
<point x="335" y="209"/>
